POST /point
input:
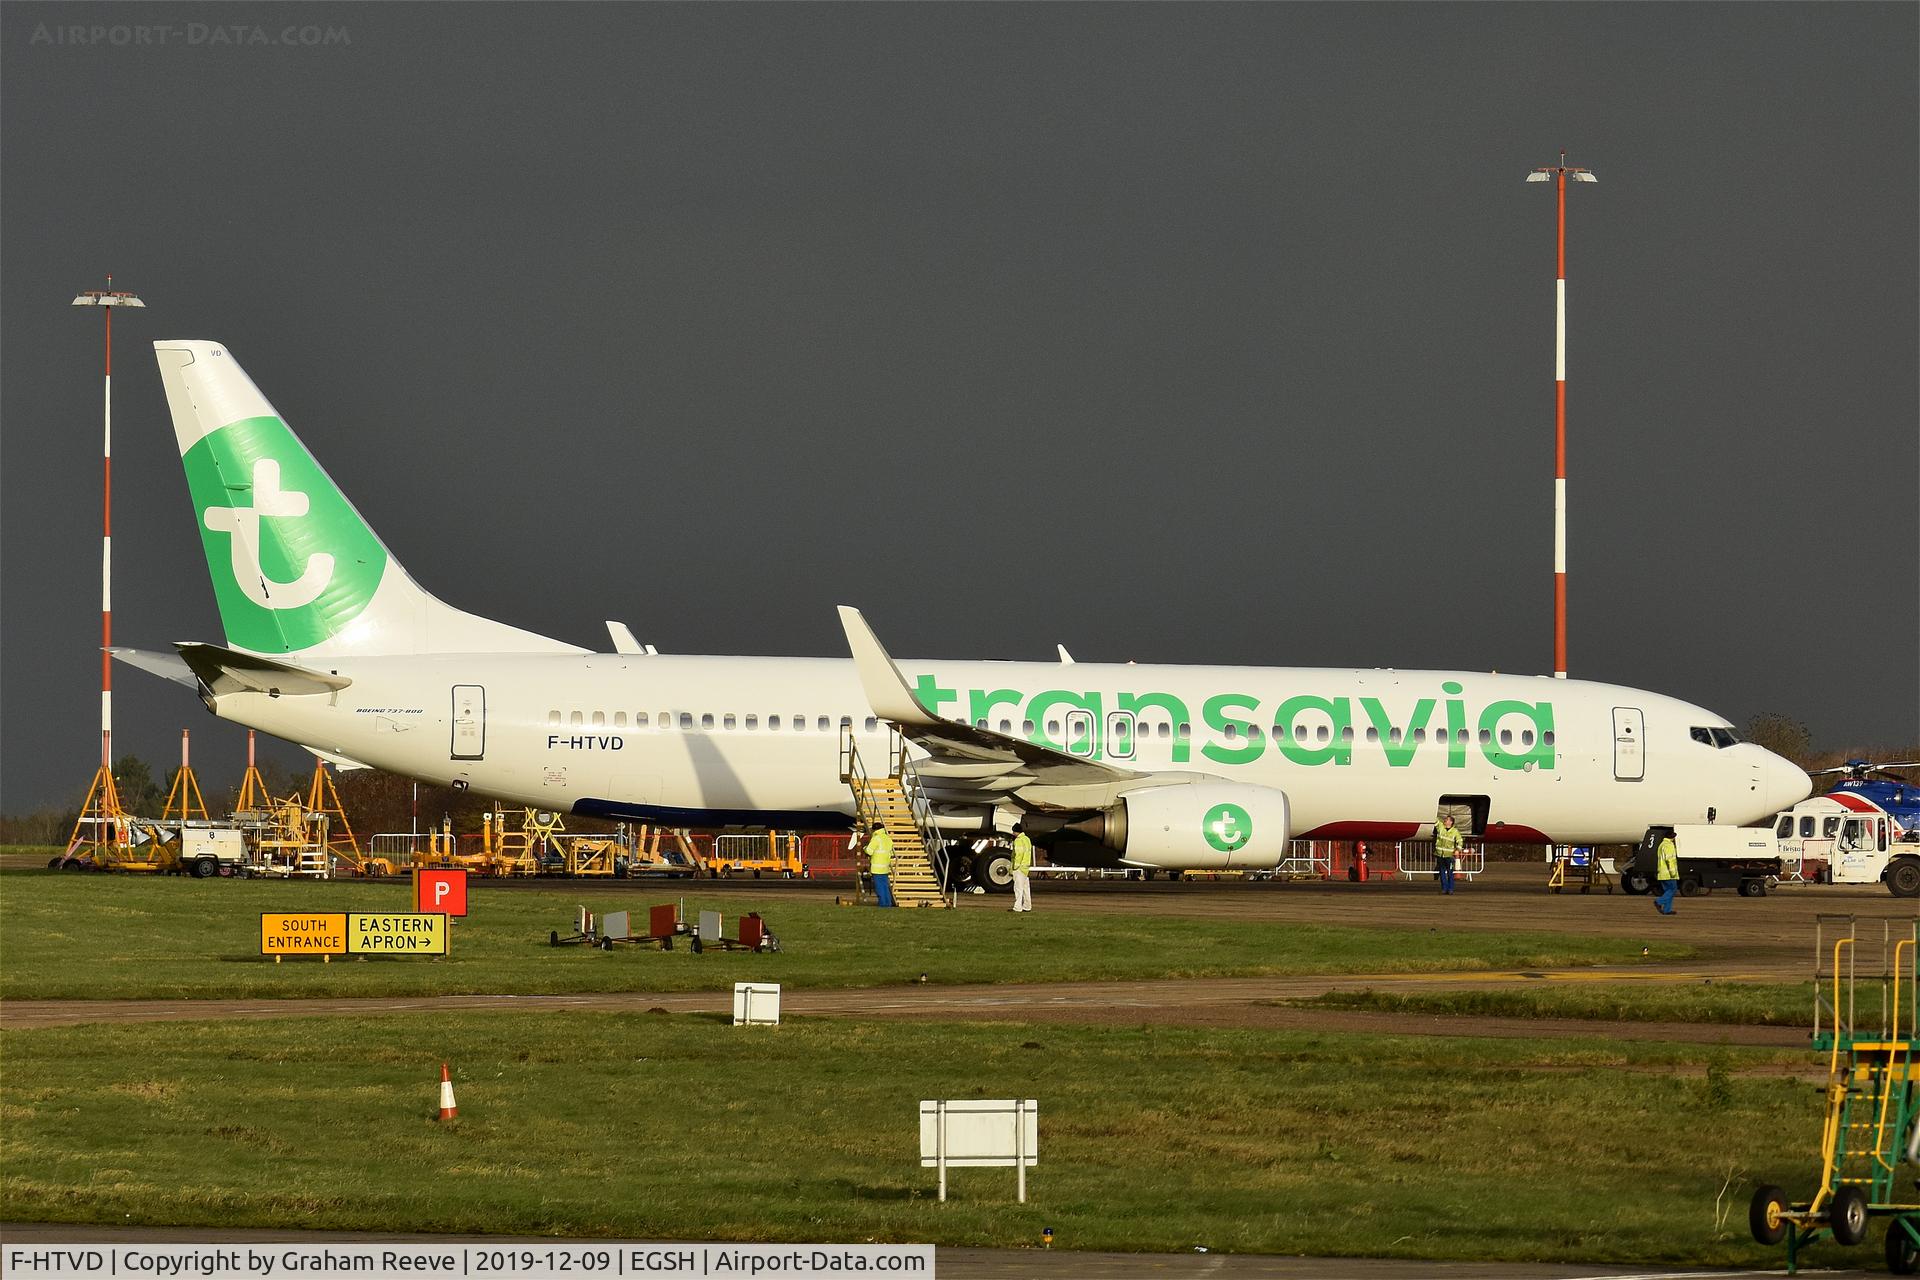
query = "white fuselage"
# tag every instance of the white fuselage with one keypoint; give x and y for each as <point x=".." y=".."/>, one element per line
<point x="717" y="740"/>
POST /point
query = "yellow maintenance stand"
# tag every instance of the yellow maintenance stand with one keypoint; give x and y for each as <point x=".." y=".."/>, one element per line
<point x="1870" y="1130"/>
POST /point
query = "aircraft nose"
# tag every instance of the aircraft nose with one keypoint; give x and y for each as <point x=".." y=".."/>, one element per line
<point x="1787" y="783"/>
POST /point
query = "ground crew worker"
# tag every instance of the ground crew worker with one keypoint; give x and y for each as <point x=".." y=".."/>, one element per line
<point x="880" y="865"/>
<point x="1022" y="863"/>
<point x="1447" y="842"/>
<point x="1666" y="869"/>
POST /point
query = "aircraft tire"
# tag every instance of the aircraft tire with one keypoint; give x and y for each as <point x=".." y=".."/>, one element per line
<point x="1903" y="1255"/>
<point x="993" y="871"/>
<point x="1763" y="1215"/>
<point x="1903" y="878"/>
<point x="1847" y="1217"/>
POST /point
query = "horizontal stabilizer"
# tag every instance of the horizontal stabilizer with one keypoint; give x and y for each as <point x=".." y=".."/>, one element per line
<point x="230" y="671"/>
<point x="168" y="666"/>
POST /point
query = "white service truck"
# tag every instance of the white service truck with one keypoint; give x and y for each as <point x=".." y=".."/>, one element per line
<point x="1711" y="857"/>
<point x="1849" y="842"/>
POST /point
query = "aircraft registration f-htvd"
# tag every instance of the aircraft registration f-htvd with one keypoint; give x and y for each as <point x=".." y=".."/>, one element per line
<point x="332" y="645"/>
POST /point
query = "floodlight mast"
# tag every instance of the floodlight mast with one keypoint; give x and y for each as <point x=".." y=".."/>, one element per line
<point x="1559" y="172"/>
<point x="107" y="300"/>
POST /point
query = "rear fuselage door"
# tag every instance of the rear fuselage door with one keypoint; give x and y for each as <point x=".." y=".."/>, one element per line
<point x="469" y="722"/>
<point x="1629" y="745"/>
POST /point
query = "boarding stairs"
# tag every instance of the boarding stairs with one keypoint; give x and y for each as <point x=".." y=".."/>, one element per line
<point x="893" y="800"/>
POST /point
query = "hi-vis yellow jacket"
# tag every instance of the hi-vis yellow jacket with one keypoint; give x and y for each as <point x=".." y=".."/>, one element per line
<point x="1666" y="861"/>
<point x="1022" y="852"/>
<point x="1447" y="842"/>
<point x="880" y="852"/>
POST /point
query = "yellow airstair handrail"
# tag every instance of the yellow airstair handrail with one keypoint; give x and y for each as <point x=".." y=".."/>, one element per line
<point x="1836" y="1093"/>
<point x="1894" y="1044"/>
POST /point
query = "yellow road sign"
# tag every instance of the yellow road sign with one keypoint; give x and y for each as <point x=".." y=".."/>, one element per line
<point x="397" y="935"/>
<point x="302" y="933"/>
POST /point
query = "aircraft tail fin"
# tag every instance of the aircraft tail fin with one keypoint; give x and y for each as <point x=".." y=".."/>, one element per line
<point x="296" y="569"/>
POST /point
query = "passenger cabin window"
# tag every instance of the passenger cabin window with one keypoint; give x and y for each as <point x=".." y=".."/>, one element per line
<point x="727" y="721"/>
<point x="873" y="724"/>
<point x="1830" y="828"/>
<point x="619" y="719"/>
<point x="1785" y="828"/>
<point x="553" y="717"/>
<point x="1053" y="728"/>
<point x="574" y="719"/>
<point x="1026" y="728"/>
<point x="639" y="719"/>
<point x="1806" y="826"/>
<point x="773" y="723"/>
<point x="1006" y="727"/>
<point x="599" y="719"/>
<point x="706" y="720"/>
<point x="686" y="719"/>
<point x="824" y="724"/>
<point x="753" y="722"/>
<point x="1185" y="731"/>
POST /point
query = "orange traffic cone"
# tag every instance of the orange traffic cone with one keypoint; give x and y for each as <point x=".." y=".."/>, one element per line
<point x="447" y="1110"/>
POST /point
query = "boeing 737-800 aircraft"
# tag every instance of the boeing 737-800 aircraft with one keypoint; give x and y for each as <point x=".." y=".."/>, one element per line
<point x="332" y="645"/>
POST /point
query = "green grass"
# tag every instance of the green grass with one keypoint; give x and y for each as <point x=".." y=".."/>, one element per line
<point x="655" y="1126"/>
<point x="169" y="937"/>
<point x="1781" y="1004"/>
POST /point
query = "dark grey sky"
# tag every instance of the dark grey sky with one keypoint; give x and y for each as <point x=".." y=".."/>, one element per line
<point x="1173" y="332"/>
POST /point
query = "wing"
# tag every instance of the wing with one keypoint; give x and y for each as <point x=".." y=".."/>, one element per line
<point x="964" y="759"/>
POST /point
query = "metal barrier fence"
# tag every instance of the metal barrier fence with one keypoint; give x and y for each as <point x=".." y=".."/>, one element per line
<point x="1415" y="858"/>
<point x="398" y="847"/>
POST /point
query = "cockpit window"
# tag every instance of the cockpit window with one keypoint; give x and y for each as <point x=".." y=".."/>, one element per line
<point x="1704" y="736"/>
<point x="1712" y="737"/>
<point x="1724" y="738"/>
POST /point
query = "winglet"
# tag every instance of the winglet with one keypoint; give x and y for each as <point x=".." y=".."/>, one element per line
<point x="1066" y="659"/>
<point x="888" y="692"/>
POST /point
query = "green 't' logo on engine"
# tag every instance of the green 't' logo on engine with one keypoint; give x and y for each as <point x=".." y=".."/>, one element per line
<point x="1227" y="827"/>
<point x="292" y="562"/>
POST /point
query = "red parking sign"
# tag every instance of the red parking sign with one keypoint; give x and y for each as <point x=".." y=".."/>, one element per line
<point x="440" y="892"/>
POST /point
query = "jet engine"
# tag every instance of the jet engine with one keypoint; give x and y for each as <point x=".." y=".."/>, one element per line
<point x="1194" y="826"/>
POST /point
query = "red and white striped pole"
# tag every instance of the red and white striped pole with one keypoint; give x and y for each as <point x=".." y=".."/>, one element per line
<point x="106" y="299"/>
<point x="1560" y="172"/>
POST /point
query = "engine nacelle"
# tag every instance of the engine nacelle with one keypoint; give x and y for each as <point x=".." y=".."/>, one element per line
<point x="1195" y="826"/>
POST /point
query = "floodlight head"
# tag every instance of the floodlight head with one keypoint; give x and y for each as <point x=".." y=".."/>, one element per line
<point x="1538" y="175"/>
<point x="1582" y="175"/>
<point x="98" y="299"/>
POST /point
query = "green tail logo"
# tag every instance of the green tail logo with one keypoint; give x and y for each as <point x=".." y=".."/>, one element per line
<point x="292" y="563"/>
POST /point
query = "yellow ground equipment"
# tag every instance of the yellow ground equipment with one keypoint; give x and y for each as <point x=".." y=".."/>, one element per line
<point x="893" y="800"/>
<point x="773" y="853"/>
<point x="664" y="851"/>
<point x="290" y="840"/>
<point x="519" y="844"/>
<point x="1871" y="1127"/>
<point x="338" y="832"/>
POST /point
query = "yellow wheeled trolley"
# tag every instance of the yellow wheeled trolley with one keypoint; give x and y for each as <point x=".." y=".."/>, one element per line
<point x="1870" y="1142"/>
